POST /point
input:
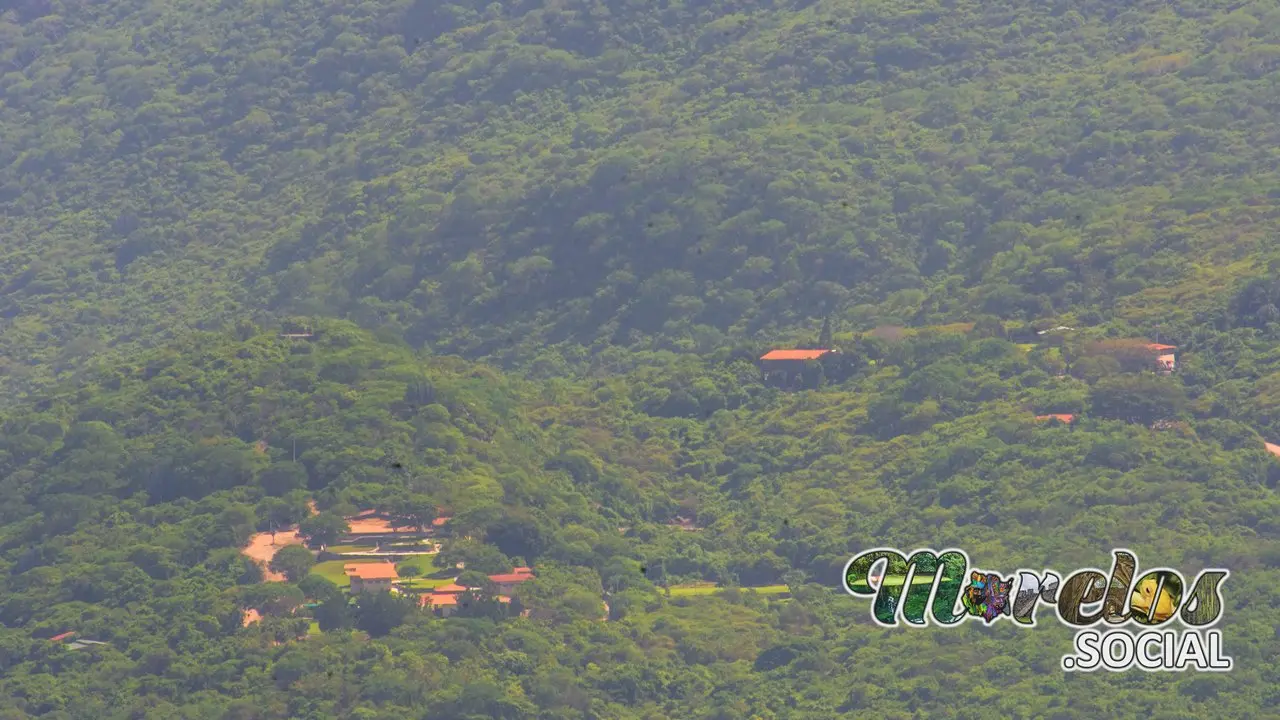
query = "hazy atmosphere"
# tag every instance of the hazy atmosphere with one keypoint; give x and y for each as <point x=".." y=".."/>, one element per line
<point x="552" y="359"/>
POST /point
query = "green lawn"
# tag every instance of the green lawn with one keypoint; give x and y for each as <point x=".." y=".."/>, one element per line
<point x="426" y="565"/>
<point x="710" y="589"/>
<point x="332" y="571"/>
<point x="425" y="583"/>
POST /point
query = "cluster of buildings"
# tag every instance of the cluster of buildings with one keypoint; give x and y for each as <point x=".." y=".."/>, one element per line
<point x="382" y="577"/>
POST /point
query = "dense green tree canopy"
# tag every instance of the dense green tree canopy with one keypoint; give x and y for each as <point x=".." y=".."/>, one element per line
<point x="513" y="263"/>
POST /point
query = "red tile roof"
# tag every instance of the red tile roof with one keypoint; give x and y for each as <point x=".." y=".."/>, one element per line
<point x="1064" y="417"/>
<point x="62" y="636"/>
<point x="440" y="600"/>
<point x="511" y="577"/>
<point x="440" y="521"/>
<point x="1161" y="348"/>
<point x="451" y="588"/>
<point x="1272" y="448"/>
<point x="794" y="354"/>
<point x="372" y="571"/>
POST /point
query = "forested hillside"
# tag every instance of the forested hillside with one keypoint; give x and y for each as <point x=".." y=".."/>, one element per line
<point x="126" y="499"/>
<point x="532" y="252"/>
<point x="501" y="179"/>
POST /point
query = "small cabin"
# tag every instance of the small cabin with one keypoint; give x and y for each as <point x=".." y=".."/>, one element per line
<point x="1064" y="418"/>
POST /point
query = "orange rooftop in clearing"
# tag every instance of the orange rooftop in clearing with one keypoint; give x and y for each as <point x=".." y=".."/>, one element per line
<point x="794" y="355"/>
<point x="371" y="577"/>
<point x="372" y="571"/>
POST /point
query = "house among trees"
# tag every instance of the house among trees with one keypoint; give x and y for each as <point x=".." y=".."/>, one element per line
<point x="507" y="582"/>
<point x="1136" y="355"/>
<point x="444" y="599"/>
<point x="794" y="367"/>
<point x="1065" y="418"/>
<point x="371" y="577"/>
<point x="443" y="604"/>
<point x="72" y="641"/>
<point x="782" y="359"/>
<point x="1166" y="357"/>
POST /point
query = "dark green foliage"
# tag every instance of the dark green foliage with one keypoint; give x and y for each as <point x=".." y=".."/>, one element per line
<point x="380" y="613"/>
<point x="323" y="528"/>
<point x="627" y="203"/>
<point x="294" y="561"/>
<point x="1143" y="398"/>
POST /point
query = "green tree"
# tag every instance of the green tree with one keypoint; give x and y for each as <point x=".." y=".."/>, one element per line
<point x="380" y="613"/>
<point x="413" y="510"/>
<point x="1142" y="398"/>
<point x="282" y="478"/>
<point x="324" y="528"/>
<point x="294" y="561"/>
<point x="335" y="613"/>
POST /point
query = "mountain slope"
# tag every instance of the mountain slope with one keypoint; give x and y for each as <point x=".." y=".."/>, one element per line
<point x="125" y="501"/>
<point x="494" y="180"/>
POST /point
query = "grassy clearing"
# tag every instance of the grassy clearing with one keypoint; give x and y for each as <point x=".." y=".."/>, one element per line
<point x="425" y="583"/>
<point x="332" y="570"/>
<point x="425" y="564"/>
<point x="711" y="589"/>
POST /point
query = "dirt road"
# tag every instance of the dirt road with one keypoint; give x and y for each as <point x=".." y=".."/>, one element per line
<point x="262" y="548"/>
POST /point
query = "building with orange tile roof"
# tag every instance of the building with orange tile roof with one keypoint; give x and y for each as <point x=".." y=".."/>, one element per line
<point x="506" y="582"/>
<point x="371" y="577"/>
<point x="794" y="355"/>
<point x="443" y="603"/>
